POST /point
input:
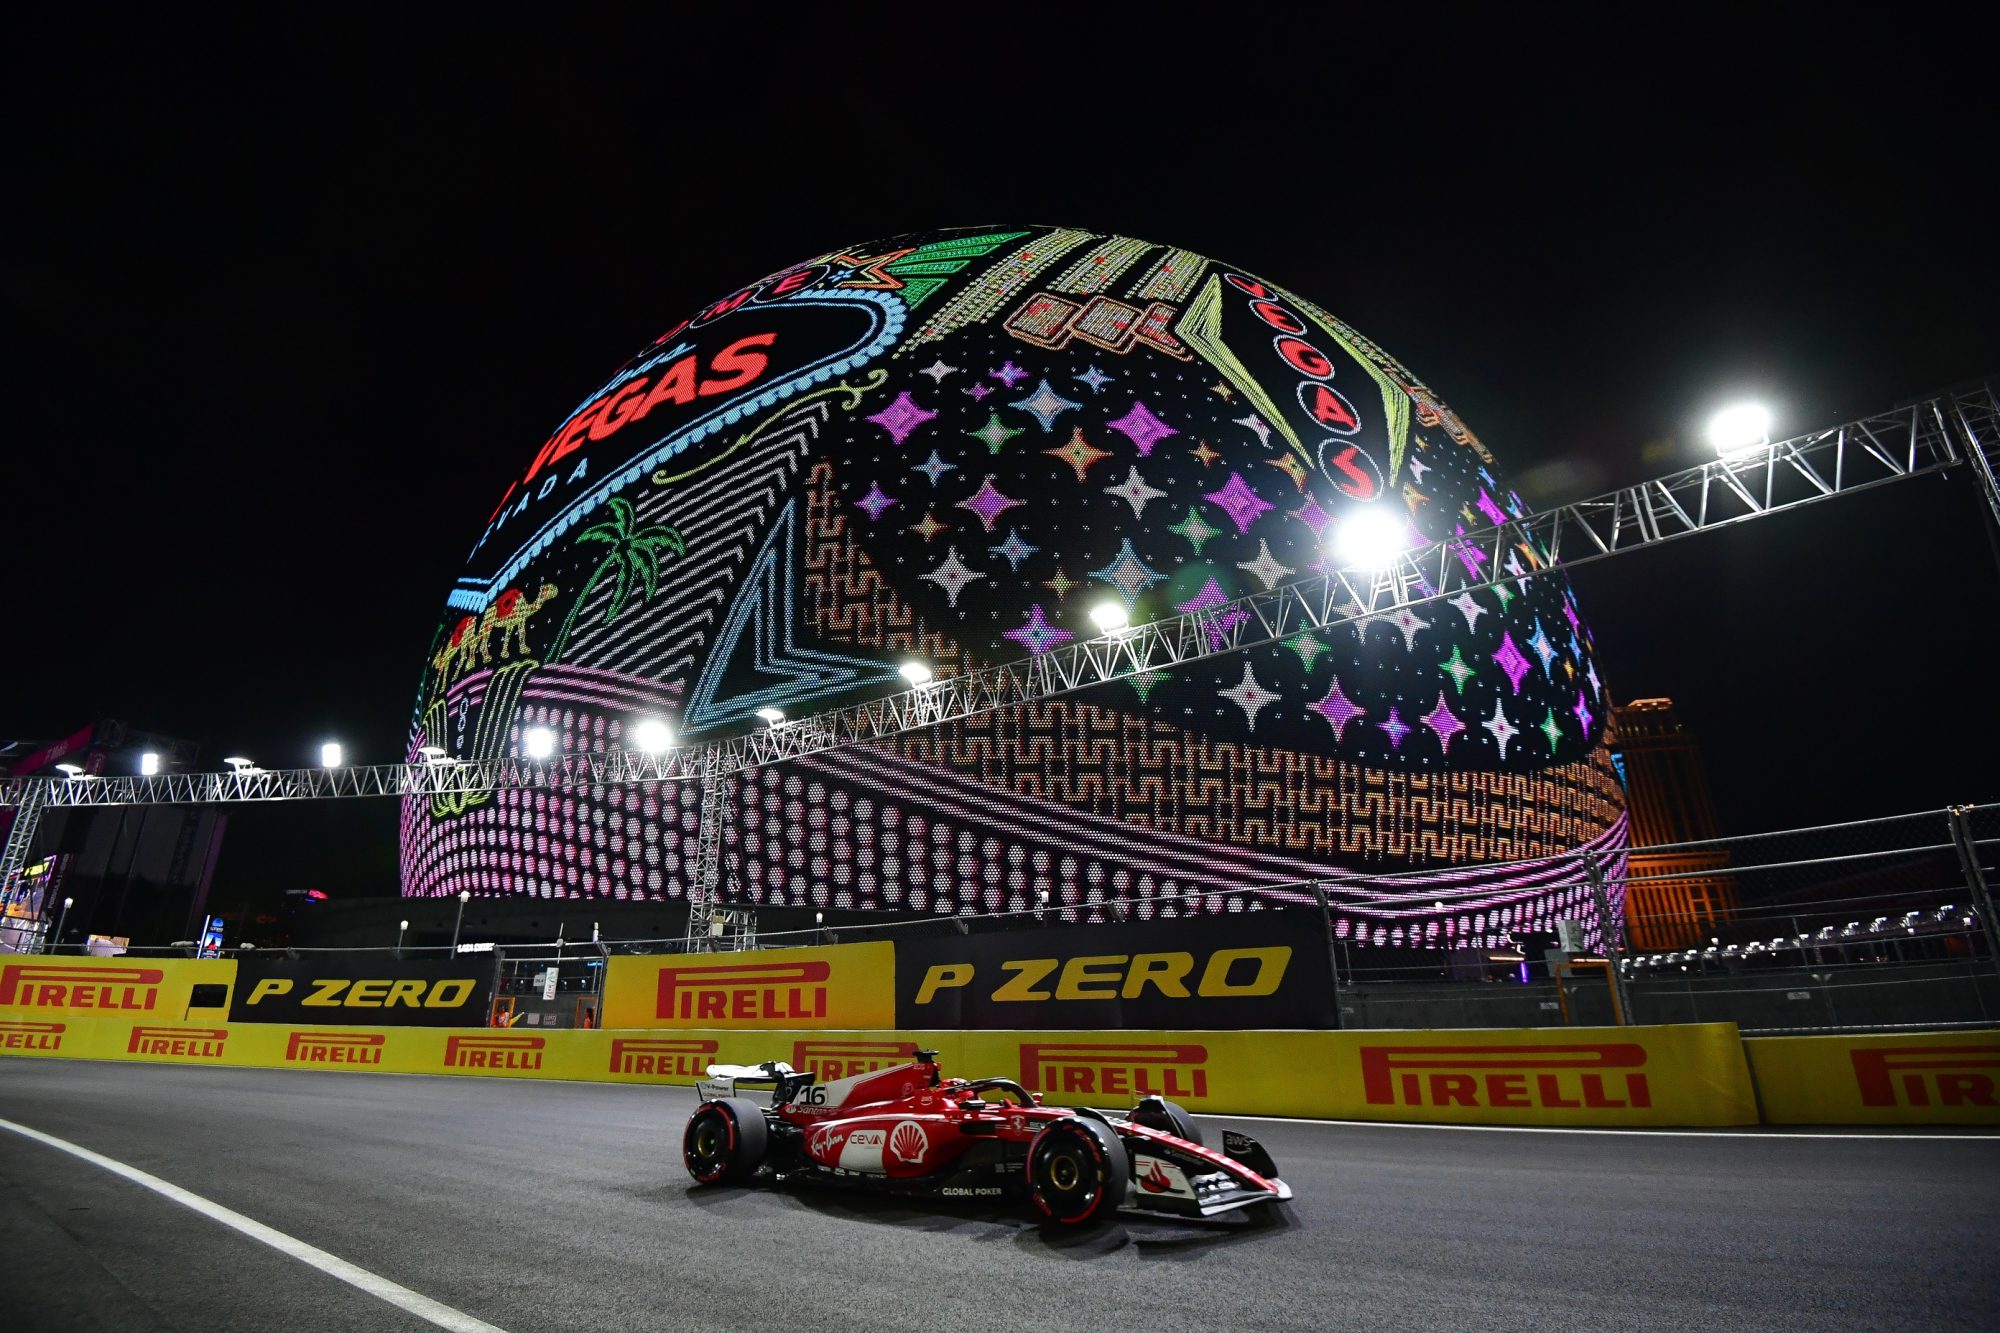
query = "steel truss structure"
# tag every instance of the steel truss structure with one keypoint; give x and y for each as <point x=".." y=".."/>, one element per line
<point x="1937" y="433"/>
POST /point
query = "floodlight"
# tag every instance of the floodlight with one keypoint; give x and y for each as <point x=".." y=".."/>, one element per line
<point x="239" y="763"/>
<point x="1740" y="430"/>
<point x="149" y="764"/>
<point x="538" y="742"/>
<point x="652" y="735"/>
<point x="1110" y="617"/>
<point x="330" y="755"/>
<point x="1371" y="537"/>
<point x="771" y="717"/>
<point x="916" y="673"/>
<point x="432" y="754"/>
<point x="71" y="771"/>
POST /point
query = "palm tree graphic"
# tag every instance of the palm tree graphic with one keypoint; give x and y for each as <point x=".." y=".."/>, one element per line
<point x="634" y="556"/>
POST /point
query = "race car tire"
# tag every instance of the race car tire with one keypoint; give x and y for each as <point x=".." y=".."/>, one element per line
<point x="725" y="1141"/>
<point x="1078" y="1171"/>
<point x="1167" y="1117"/>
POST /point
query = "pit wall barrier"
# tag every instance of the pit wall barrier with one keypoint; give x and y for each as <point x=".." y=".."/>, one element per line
<point x="1930" y="1078"/>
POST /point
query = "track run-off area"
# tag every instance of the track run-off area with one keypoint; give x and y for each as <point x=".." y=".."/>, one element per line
<point x="535" y="1205"/>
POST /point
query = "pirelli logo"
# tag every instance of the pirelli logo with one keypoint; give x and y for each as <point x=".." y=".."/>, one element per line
<point x="494" y="1052"/>
<point x="662" y="1057"/>
<point x="56" y="986"/>
<point x="744" y="990"/>
<point x="1600" y="1076"/>
<point x="181" y="1043"/>
<point x="829" y="1060"/>
<point x="1926" y="1075"/>
<point x="336" y="1048"/>
<point x="1125" y="1070"/>
<point x="24" y="1035"/>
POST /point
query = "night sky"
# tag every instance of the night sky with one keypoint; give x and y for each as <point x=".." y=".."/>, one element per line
<point x="291" y="303"/>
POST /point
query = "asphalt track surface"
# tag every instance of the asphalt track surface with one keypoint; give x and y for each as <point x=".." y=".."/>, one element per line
<point x="556" y="1206"/>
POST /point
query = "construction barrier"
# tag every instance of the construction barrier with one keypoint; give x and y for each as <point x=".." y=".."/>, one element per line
<point x="1932" y="1078"/>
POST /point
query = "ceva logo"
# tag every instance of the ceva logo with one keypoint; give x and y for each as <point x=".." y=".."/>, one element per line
<point x="830" y="1060"/>
<point x="1598" y="1076"/>
<point x="662" y="1057"/>
<point x="1926" y="1075"/>
<point x="56" y="986"/>
<point x="744" y="991"/>
<point x="184" y="1043"/>
<point x="336" y="1048"/>
<point x="1176" y="1070"/>
<point x="22" y="1035"/>
<point x="496" y="1052"/>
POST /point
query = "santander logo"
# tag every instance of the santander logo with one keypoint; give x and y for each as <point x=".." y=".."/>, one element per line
<point x="1155" y="1180"/>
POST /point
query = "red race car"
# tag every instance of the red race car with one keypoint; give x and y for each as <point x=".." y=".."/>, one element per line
<point x="905" y="1130"/>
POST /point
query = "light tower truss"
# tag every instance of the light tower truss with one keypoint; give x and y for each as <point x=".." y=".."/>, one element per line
<point x="1930" y="435"/>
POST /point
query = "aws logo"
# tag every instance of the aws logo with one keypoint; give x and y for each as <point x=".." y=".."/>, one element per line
<point x="830" y="1060"/>
<point x="1174" y="974"/>
<point x="1121" y="1071"/>
<point x="739" y="991"/>
<point x="179" y="1043"/>
<point x="662" y="1057"/>
<point x="1926" y="1075"/>
<point x="1602" y="1077"/>
<point x="347" y="993"/>
<point x="22" y="1035"/>
<point x="56" y="986"/>
<point x="336" y="1048"/>
<point x="495" y="1052"/>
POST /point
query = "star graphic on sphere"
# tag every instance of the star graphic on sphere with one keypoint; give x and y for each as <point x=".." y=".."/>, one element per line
<point x="977" y="391"/>
<point x="1249" y="696"/>
<point x="1256" y="426"/>
<point x="1418" y="467"/>
<point x="1409" y="622"/>
<point x="1009" y="374"/>
<point x="1541" y="646"/>
<point x="1569" y="614"/>
<point x="937" y="370"/>
<point x="928" y="526"/>
<point x="934" y="467"/>
<point x="1142" y="428"/>
<point x="1397" y="729"/>
<point x="952" y="574"/>
<point x="1500" y="590"/>
<point x="1290" y="465"/>
<point x="1095" y="378"/>
<point x="1510" y="660"/>
<point x="1217" y="628"/>
<point x="1455" y="667"/>
<point x="1060" y="584"/>
<point x="1143" y="683"/>
<point x="1553" y="730"/>
<point x="1596" y="686"/>
<point x="989" y="503"/>
<point x="1308" y="647"/>
<point x="1469" y="606"/>
<point x="1512" y="564"/>
<point x="1079" y="453"/>
<point x="1205" y="452"/>
<point x="1237" y="500"/>
<point x="1195" y="528"/>
<point x="1135" y="492"/>
<point x="1037" y="635"/>
<point x="1337" y="709"/>
<point x="1222" y="390"/>
<point x="1313" y="517"/>
<point x="1494" y="513"/>
<point x="1266" y="567"/>
<point x="995" y="433"/>
<point x="1045" y="405"/>
<point x="875" y="502"/>
<point x="1014" y="549"/>
<point x="1128" y="574"/>
<point x="901" y="417"/>
<point x="1443" y="722"/>
<point x="1583" y="716"/>
<point x="1503" y="730"/>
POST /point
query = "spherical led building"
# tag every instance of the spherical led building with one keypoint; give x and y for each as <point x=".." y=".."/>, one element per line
<point x="951" y="446"/>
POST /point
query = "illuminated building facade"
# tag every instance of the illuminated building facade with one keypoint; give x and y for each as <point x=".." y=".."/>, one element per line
<point x="1676" y="896"/>
<point x="950" y="446"/>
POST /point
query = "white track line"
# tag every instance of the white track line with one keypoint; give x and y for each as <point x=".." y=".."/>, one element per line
<point x="1579" y="1129"/>
<point x="331" y="1264"/>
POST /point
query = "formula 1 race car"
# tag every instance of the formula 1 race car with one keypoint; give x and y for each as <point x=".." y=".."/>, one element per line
<point x="904" y="1130"/>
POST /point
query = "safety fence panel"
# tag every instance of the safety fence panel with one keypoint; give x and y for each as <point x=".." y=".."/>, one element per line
<point x="1892" y="1079"/>
<point x="162" y="989"/>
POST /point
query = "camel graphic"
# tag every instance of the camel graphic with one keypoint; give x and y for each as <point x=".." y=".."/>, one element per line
<point x="472" y="639"/>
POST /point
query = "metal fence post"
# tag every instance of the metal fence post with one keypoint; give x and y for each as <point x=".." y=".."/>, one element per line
<point x="1607" y="930"/>
<point x="1332" y="952"/>
<point x="1975" y="878"/>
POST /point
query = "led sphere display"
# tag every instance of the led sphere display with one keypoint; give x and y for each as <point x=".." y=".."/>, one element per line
<point x="952" y="448"/>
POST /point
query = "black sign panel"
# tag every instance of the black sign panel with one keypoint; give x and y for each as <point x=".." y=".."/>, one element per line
<point x="1260" y="970"/>
<point x="369" y="991"/>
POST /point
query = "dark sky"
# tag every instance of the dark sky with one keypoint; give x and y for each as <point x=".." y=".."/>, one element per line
<point x="289" y="302"/>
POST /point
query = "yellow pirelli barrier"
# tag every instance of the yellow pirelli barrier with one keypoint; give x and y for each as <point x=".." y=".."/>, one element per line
<point x="1932" y="1078"/>
<point x="1583" y="1076"/>
<point x="49" y="986"/>
<point x="841" y="987"/>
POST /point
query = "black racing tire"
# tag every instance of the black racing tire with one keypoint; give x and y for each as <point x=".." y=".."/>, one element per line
<point x="1078" y="1171"/>
<point x="725" y="1141"/>
<point x="1167" y="1117"/>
